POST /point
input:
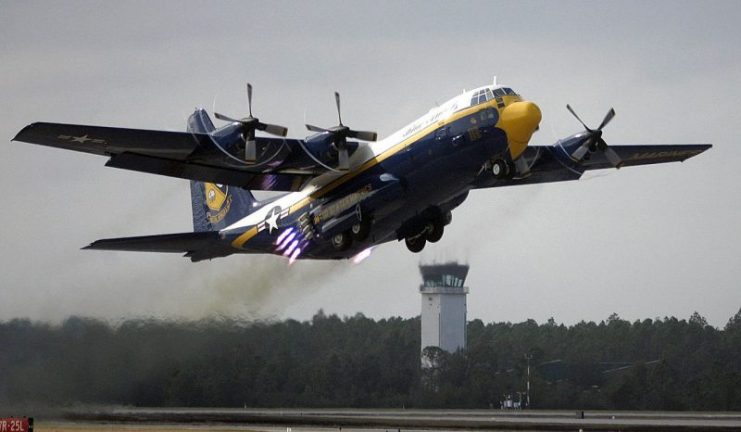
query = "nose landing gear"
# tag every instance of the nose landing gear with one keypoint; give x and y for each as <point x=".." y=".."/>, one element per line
<point x="505" y="170"/>
<point x="501" y="169"/>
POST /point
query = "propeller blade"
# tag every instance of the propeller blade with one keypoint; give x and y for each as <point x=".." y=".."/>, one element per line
<point x="579" y="153"/>
<point x="337" y="101"/>
<point x="274" y="129"/>
<point x="316" y="128"/>
<point x="613" y="157"/>
<point x="343" y="159"/>
<point x="225" y="118"/>
<point x="610" y="114"/>
<point x="568" y="107"/>
<point x="250" y="151"/>
<point x="249" y="98"/>
<point x="363" y="135"/>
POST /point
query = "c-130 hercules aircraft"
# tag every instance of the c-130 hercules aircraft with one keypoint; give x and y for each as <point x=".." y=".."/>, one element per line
<point x="345" y="191"/>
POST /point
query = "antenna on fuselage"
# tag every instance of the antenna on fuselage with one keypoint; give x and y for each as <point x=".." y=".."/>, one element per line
<point x="494" y="83"/>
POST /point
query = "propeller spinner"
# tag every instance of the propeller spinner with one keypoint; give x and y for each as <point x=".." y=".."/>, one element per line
<point x="249" y="125"/>
<point x="340" y="133"/>
<point x="595" y="142"/>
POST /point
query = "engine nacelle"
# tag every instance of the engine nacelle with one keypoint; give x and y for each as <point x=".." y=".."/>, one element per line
<point x="322" y="148"/>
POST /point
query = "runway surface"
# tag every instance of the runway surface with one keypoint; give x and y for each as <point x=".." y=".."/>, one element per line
<point x="356" y="420"/>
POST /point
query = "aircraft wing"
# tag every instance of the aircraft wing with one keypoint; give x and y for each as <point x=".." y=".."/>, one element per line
<point x="553" y="163"/>
<point x="185" y="155"/>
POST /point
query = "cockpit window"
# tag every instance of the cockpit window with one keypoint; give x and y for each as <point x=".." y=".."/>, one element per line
<point x="480" y="96"/>
<point x="504" y="91"/>
<point x="484" y="95"/>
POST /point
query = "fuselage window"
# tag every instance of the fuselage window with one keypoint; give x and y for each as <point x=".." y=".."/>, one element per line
<point x="509" y="91"/>
<point x="499" y="92"/>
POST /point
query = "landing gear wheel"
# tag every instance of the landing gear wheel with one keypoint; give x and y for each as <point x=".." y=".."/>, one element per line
<point x="342" y="241"/>
<point x="435" y="231"/>
<point x="500" y="169"/>
<point x="416" y="243"/>
<point x="361" y="230"/>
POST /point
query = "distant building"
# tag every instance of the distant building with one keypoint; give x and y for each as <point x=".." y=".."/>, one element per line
<point x="444" y="306"/>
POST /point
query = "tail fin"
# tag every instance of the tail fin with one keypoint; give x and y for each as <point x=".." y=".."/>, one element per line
<point x="216" y="206"/>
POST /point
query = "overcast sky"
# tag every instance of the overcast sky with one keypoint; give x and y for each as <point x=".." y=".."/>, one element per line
<point x="643" y="242"/>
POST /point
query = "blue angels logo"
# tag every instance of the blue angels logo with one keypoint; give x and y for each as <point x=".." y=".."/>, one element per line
<point x="218" y="201"/>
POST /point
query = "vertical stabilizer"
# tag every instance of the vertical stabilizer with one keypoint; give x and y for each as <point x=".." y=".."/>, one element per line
<point x="216" y="206"/>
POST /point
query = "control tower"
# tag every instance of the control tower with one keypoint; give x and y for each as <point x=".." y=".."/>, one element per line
<point x="444" y="306"/>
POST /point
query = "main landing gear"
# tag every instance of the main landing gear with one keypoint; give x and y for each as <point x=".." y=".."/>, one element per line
<point x="416" y="243"/>
<point x="342" y="241"/>
<point x="358" y="232"/>
<point x="432" y="231"/>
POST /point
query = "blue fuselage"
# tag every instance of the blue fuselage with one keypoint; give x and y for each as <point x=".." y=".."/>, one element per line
<point x="423" y="179"/>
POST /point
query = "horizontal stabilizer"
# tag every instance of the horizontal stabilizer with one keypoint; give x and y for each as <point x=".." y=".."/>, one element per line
<point x="198" y="245"/>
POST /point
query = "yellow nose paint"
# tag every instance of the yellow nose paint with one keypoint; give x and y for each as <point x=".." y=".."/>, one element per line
<point x="519" y="120"/>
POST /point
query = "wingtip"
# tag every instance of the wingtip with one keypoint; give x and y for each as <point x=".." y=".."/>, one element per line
<point x="90" y="246"/>
<point x="18" y="136"/>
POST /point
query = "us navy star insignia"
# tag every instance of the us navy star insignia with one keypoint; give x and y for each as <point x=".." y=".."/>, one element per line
<point x="272" y="219"/>
<point x="81" y="139"/>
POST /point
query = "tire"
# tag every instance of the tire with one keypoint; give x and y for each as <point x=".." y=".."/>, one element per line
<point x="361" y="230"/>
<point x="415" y="244"/>
<point x="500" y="169"/>
<point x="342" y="241"/>
<point x="435" y="230"/>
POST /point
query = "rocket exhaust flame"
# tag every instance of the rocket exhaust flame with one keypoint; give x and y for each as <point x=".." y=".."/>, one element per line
<point x="283" y="235"/>
<point x="294" y="256"/>
<point x="357" y="259"/>
<point x="291" y="248"/>
<point x="286" y="242"/>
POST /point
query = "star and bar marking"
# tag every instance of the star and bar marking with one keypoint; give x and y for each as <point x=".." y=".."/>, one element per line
<point x="272" y="218"/>
<point x="81" y="139"/>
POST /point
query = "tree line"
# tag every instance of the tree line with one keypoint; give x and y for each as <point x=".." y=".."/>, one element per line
<point x="328" y="361"/>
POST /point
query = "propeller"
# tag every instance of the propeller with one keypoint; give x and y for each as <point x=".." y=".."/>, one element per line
<point x="595" y="142"/>
<point x="340" y="133"/>
<point x="249" y="125"/>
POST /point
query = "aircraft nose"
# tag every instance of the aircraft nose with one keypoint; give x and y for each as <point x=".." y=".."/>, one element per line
<point x="519" y="120"/>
